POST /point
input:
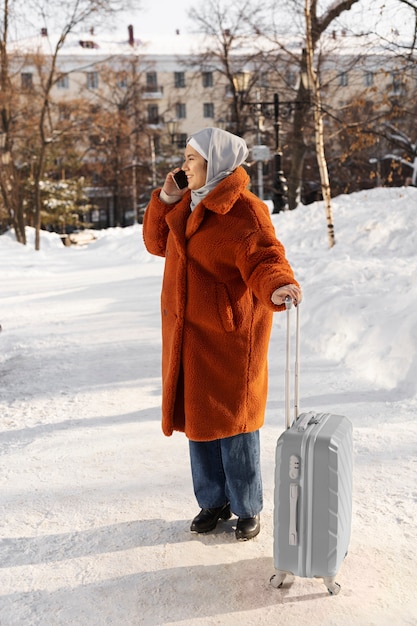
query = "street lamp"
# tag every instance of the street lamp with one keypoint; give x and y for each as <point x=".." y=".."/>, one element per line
<point x="241" y="82"/>
<point x="240" y="85"/>
<point x="280" y="187"/>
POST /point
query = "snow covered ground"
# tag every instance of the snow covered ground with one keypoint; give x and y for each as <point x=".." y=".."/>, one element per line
<point x="96" y="503"/>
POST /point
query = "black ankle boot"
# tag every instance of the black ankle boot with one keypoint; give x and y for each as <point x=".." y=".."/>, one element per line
<point x="207" y="519"/>
<point x="247" y="527"/>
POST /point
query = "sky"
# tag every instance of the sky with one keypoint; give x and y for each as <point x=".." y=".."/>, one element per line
<point x="165" y="17"/>
<point x="96" y="503"/>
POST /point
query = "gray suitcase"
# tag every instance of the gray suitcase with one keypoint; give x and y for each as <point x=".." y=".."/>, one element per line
<point x="313" y="489"/>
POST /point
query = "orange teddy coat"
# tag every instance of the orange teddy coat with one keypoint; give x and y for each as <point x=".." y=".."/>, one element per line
<point x="222" y="264"/>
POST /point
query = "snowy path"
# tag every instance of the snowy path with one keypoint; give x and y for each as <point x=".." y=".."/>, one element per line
<point x="96" y="503"/>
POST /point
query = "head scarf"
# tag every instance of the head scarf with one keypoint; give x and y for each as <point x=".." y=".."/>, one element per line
<point x="223" y="151"/>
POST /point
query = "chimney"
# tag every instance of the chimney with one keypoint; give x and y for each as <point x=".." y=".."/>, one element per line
<point x="44" y="32"/>
<point x="131" y="38"/>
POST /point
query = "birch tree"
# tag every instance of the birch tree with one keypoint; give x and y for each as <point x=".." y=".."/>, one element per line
<point x="318" y="24"/>
<point x="314" y="86"/>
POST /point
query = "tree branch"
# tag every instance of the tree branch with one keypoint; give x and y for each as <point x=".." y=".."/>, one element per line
<point x="320" y="24"/>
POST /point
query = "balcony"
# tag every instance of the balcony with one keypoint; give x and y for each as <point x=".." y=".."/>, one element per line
<point x="152" y="92"/>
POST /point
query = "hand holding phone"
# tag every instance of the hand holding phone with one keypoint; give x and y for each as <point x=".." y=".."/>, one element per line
<point x="180" y="179"/>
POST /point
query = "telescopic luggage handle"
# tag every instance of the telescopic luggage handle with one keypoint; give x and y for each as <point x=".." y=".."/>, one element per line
<point x="288" y="306"/>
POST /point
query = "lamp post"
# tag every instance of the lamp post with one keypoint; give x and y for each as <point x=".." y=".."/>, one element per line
<point x="280" y="188"/>
<point x="134" y="192"/>
<point x="263" y="151"/>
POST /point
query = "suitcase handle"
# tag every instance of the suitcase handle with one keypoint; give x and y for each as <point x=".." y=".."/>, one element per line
<point x="293" y="533"/>
<point x="288" y="306"/>
<point x="308" y="419"/>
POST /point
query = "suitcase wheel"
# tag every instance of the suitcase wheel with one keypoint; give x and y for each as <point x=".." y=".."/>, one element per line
<point x="277" y="580"/>
<point x="332" y="587"/>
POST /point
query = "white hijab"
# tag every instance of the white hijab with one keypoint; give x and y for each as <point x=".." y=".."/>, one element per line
<point x="223" y="151"/>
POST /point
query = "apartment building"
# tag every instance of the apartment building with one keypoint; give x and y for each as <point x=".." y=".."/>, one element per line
<point x="175" y="90"/>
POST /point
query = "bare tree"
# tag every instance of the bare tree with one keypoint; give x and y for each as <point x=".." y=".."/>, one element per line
<point x="117" y="133"/>
<point x="32" y="112"/>
<point x="74" y="13"/>
<point x="231" y="29"/>
<point x="10" y="184"/>
<point x="366" y="150"/>
<point x="412" y="4"/>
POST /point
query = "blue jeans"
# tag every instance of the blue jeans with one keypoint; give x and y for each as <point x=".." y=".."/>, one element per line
<point x="228" y="470"/>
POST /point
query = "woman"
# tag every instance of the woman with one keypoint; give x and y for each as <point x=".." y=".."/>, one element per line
<point x="225" y="274"/>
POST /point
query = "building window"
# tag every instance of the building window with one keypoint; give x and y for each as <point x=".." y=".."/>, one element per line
<point x="92" y="80"/>
<point x="207" y="78"/>
<point x="153" y="114"/>
<point x="208" y="109"/>
<point x="151" y="81"/>
<point x="180" y="111"/>
<point x="264" y="79"/>
<point x="368" y="79"/>
<point x="122" y="80"/>
<point x="398" y="88"/>
<point x="64" y="112"/>
<point x="181" y="140"/>
<point x="27" y="80"/>
<point x="291" y="78"/>
<point x="63" y="82"/>
<point x="342" y="79"/>
<point x="179" y="79"/>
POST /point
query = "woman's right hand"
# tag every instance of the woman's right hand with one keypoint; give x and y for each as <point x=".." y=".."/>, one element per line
<point x="170" y="188"/>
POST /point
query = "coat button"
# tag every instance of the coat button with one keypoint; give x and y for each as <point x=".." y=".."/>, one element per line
<point x="165" y="312"/>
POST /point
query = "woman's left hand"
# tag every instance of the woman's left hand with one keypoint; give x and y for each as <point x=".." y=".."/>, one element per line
<point x="294" y="292"/>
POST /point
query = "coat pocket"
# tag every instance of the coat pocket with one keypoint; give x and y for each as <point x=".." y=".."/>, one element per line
<point x="224" y="308"/>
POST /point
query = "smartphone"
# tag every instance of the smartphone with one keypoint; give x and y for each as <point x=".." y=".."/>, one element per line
<point x="180" y="179"/>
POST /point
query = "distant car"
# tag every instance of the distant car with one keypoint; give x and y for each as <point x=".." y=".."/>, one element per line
<point x="79" y="238"/>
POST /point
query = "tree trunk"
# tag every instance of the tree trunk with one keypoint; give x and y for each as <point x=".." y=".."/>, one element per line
<point x="37" y="211"/>
<point x="318" y="125"/>
<point x="19" y="225"/>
